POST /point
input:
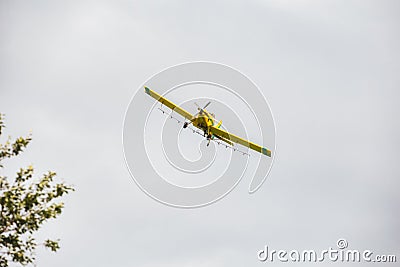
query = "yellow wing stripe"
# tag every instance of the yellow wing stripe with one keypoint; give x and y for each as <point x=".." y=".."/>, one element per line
<point x="168" y="103"/>
<point x="237" y="139"/>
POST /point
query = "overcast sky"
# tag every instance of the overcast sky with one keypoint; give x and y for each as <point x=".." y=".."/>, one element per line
<point x="329" y="69"/>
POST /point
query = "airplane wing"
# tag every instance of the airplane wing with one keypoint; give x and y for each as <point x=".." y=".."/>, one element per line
<point x="224" y="139"/>
<point x="237" y="139"/>
<point x="168" y="103"/>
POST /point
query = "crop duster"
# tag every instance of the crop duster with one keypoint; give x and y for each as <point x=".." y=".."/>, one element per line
<point x="206" y="122"/>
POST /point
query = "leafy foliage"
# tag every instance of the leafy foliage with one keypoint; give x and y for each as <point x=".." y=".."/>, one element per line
<point x="25" y="203"/>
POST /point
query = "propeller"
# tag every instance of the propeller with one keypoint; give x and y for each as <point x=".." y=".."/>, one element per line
<point x="201" y="109"/>
<point x="207" y="105"/>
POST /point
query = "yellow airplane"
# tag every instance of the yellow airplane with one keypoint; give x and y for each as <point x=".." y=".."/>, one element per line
<point x="205" y="121"/>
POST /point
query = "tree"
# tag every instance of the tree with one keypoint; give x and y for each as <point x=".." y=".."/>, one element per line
<point x="25" y="203"/>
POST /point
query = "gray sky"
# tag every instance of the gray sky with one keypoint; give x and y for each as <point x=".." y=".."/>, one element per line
<point x="329" y="70"/>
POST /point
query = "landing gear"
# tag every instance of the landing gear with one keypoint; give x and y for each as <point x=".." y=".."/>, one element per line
<point x="209" y="139"/>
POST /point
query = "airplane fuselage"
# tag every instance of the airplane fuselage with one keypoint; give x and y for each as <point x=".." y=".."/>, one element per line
<point x="203" y="121"/>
